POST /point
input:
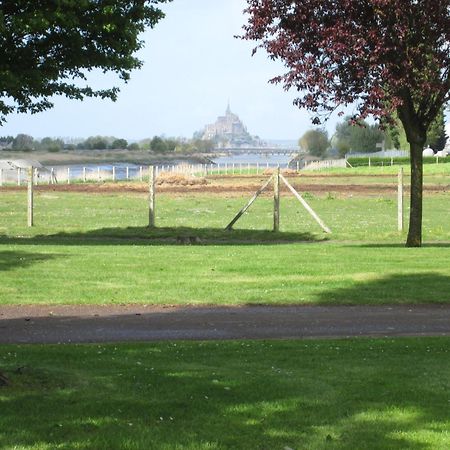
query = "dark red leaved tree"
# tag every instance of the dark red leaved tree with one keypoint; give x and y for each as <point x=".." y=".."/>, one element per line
<point x="387" y="56"/>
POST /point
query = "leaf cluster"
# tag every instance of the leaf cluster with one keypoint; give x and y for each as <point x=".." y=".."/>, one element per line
<point x="48" y="47"/>
<point x="385" y="55"/>
<point x="315" y="142"/>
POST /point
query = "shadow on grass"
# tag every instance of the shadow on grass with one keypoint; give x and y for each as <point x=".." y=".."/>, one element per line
<point x="400" y="245"/>
<point x="233" y="395"/>
<point x="412" y="288"/>
<point x="167" y="236"/>
<point x="13" y="259"/>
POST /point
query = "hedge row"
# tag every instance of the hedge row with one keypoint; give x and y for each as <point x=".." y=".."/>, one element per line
<point x="378" y="161"/>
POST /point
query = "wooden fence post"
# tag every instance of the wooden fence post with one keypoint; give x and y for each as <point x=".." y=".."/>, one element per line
<point x="114" y="173"/>
<point x="30" y="197"/>
<point x="84" y="174"/>
<point x="276" y="200"/>
<point x="400" y="200"/>
<point x="68" y="175"/>
<point x="19" y="173"/>
<point x="151" y="186"/>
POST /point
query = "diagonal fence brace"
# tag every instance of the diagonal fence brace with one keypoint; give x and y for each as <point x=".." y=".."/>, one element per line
<point x="242" y="211"/>
<point x="305" y="205"/>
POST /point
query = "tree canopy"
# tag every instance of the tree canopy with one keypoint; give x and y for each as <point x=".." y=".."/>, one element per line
<point x="315" y="142"/>
<point x="49" y="46"/>
<point x="360" y="137"/>
<point x="385" y="56"/>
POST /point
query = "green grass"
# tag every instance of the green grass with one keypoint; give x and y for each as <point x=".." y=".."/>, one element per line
<point x="428" y="169"/>
<point x="346" y="394"/>
<point x="333" y="394"/>
<point x="96" y="249"/>
<point x="352" y="218"/>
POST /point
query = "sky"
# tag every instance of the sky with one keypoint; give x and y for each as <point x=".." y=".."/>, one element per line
<point x="193" y="65"/>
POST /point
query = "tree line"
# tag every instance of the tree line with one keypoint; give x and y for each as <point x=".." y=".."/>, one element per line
<point x="157" y="144"/>
<point x="358" y="136"/>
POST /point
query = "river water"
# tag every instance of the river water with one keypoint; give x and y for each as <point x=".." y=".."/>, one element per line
<point x="123" y="171"/>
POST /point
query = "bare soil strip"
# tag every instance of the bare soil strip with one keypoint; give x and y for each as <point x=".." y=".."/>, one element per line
<point x="106" y="188"/>
<point x="84" y="324"/>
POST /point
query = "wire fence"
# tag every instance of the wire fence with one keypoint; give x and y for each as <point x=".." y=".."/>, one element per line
<point x="111" y="173"/>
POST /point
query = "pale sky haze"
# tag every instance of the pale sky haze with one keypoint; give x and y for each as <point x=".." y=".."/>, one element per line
<point x="193" y="65"/>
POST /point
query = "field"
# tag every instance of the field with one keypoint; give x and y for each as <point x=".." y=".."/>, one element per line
<point x="372" y="394"/>
<point x="91" y="245"/>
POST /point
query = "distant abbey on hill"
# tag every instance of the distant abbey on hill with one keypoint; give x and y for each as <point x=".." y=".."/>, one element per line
<point x="229" y="131"/>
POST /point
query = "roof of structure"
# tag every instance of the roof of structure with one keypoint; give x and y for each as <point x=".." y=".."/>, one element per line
<point x="19" y="164"/>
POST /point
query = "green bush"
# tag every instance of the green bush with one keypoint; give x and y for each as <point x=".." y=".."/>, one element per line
<point x="378" y="161"/>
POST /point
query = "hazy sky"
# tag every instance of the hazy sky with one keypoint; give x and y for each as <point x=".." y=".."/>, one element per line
<point x="192" y="66"/>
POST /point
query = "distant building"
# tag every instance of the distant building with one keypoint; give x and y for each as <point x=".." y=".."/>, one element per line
<point x="229" y="131"/>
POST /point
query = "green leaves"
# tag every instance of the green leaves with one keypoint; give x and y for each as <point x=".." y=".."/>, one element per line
<point x="48" y="42"/>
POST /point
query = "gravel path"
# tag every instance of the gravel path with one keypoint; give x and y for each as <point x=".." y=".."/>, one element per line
<point x="64" y="324"/>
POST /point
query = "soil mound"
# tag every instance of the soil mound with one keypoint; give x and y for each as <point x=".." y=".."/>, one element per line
<point x="176" y="179"/>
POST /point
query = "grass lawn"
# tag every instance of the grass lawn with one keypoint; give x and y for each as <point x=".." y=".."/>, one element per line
<point x="96" y="249"/>
<point x="330" y="394"/>
<point x="344" y="394"/>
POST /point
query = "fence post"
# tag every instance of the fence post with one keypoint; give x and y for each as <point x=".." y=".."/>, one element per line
<point x="400" y="200"/>
<point x="84" y="174"/>
<point x="151" y="186"/>
<point x="128" y="173"/>
<point x="98" y="174"/>
<point x="257" y="168"/>
<point x="19" y="173"/>
<point x="276" y="200"/>
<point x="369" y="161"/>
<point x="226" y="168"/>
<point x="30" y="197"/>
<point x="1" y="177"/>
<point x="68" y="175"/>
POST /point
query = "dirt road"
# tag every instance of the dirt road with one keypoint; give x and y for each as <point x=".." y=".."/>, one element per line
<point x="65" y="324"/>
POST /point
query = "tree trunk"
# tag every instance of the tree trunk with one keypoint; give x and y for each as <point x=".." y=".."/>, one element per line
<point x="415" y="213"/>
<point x="3" y="380"/>
<point x="416" y="134"/>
